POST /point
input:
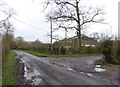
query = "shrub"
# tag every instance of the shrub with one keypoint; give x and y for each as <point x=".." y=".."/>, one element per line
<point x="116" y="52"/>
<point x="111" y="51"/>
<point x="55" y="50"/>
<point x="63" y="51"/>
<point x="107" y="50"/>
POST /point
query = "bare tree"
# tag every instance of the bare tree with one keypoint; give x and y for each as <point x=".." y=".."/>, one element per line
<point x="6" y="28"/>
<point x="71" y="13"/>
<point x="5" y="24"/>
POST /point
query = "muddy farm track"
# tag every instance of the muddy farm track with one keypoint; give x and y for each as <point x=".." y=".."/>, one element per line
<point x="66" y="71"/>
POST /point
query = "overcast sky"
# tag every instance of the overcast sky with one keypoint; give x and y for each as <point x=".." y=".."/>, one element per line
<point x="29" y="11"/>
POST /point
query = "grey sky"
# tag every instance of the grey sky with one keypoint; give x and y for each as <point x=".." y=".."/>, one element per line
<point x="29" y="13"/>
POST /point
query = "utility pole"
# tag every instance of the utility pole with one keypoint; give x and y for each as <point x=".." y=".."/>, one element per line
<point x="65" y="37"/>
<point x="51" y="35"/>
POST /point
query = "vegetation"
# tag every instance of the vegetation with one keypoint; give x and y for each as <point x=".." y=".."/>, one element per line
<point x="63" y="50"/>
<point x="66" y="13"/>
<point x="6" y="39"/>
<point x="0" y="80"/>
<point x="0" y="73"/>
<point x="39" y="54"/>
<point x="116" y="51"/>
<point x="8" y="69"/>
<point x="101" y="62"/>
<point x="111" y="51"/>
<point x="57" y="49"/>
<point x="36" y="53"/>
<point x="107" y="50"/>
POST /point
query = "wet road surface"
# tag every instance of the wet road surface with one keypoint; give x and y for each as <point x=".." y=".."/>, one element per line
<point x="60" y="71"/>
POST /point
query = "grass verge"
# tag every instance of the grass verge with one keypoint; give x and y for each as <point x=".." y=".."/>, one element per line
<point x="101" y="62"/>
<point x="58" y="56"/>
<point x="0" y="80"/>
<point x="105" y="63"/>
<point x="36" y="53"/>
<point x="72" y="55"/>
<point x="0" y="73"/>
<point x="8" y="75"/>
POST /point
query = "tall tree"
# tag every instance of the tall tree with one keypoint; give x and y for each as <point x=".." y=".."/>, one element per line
<point x="7" y="38"/>
<point x="73" y="15"/>
<point x="6" y="28"/>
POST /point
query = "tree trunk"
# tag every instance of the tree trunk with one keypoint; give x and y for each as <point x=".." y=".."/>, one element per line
<point x="78" y="26"/>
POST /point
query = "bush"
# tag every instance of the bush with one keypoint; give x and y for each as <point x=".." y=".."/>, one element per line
<point x="63" y="51"/>
<point x="111" y="51"/>
<point x="116" y="52"/>
<point x="55" y="50"/>
<point x="89" y="50"/>
<point x="107" y="50"/>
<point x="73" y="50"/>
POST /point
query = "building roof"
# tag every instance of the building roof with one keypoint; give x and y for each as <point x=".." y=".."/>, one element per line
<point x="83" y="37"/>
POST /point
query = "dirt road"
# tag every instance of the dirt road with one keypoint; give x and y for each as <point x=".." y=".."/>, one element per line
<point x="64" y="71"/>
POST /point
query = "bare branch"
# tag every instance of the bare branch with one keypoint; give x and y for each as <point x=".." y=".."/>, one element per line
<point x="92" y="19"/>
<point x="65" y="17"/>
<point x="64" y="2"/>
<point x="5" y="18"/>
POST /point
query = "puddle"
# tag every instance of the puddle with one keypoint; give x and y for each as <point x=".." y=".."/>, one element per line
<point x="22" y="61"/>
<point x="98" y="68"/>
<point x="82" y="72"/>
<point x="69" y="69"/>
<point x="27" y="74"/>
<point x="32" y="75"/>
<point x="36" y="81"/>
<point x="89" y="74"/>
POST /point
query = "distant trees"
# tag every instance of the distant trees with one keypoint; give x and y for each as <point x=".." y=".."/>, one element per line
<point x="71" y="15"/>
<point x="19" y="42"/>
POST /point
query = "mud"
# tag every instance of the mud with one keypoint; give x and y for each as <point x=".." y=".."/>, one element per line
<point x="65" y="71"/>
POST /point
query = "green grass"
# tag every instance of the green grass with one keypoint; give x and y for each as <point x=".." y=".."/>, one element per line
<point x="0" y="80"/>
<point x="0" y="73"/>
<point x="58" y="56"/>
<point x="8" y="69"/>
<point x="104" y="63"/>
<point x="101" y="62"/>
<point x="72" y="55"/>
<point x="36" y="53"/>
